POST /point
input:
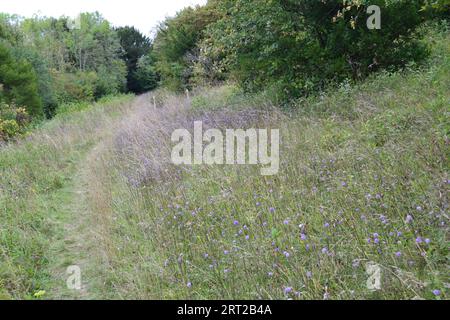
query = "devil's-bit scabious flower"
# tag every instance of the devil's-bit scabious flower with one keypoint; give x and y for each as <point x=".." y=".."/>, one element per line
<point x="437" y="292"/>
<point x="409" y="218"/>
<point x="287" y="290"/>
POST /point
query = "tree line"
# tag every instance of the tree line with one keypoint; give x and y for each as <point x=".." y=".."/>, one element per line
<point x="293" y="47"/>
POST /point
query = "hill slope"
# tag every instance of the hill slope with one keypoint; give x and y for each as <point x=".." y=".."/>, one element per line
<point x="363" y="178"/>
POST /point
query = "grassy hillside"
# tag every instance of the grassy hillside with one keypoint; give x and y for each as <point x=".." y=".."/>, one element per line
<point x="34" y="173"/>
<point x="363" y="178"/>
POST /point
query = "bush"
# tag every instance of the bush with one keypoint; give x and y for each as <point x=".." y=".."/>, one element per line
<point x="111" y="80"/>
<point x="13" y="121"/>
<point x="176" y="42"/>
<point x="145" y="78"/>
<point x="8" y="129"/>
<point x="72" y="87"/>
<point x="301" y="46"/>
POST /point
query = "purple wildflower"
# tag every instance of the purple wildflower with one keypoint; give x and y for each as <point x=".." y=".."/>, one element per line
<point x="409" y="218"/>
<point x="287" y="290"/>
<point x="437" y="292"/>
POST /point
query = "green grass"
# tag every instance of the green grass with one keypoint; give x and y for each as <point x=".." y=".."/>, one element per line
<point x="33" y="175"/>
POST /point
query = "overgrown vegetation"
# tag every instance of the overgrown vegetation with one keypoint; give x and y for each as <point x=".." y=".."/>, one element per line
<point x="294" y="46"/>
<point x="363" y="116"/>
<point x="49" y="62"/>
<point x="364" y="179"/>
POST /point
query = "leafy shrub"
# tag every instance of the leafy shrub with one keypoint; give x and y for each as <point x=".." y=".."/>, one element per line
<point x="72" y="87"/>
<point x="13" y="121"/>
<point x="145" y="76"/>
<point x="111" y="80"/>
<point x="176" y="42"/>
<point x="8" y="129"/>
<point x="301" y="46"/>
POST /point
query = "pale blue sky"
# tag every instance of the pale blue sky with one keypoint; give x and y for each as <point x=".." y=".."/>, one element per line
<point x="143" y="14"/>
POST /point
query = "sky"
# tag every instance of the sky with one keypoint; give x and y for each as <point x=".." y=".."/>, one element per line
<point x="142" y="14"/>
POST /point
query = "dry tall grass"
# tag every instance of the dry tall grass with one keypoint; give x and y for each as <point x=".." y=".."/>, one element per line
<point x="362" y="180"/>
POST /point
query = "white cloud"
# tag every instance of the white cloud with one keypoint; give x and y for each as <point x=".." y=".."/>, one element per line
<point x="143" y="14"/>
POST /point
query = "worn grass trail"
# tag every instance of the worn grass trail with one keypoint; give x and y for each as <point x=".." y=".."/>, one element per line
<point x="44" y="213"/>
<point x="81" y="220"/>
<point x="76" y="244"/>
